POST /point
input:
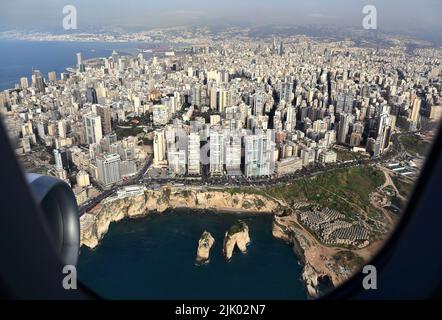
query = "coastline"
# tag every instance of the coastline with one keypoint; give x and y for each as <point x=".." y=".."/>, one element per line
<point x="318" y="260"/>
<point x="95" y="223"/>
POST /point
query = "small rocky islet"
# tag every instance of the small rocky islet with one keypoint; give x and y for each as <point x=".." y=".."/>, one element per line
<point x="236" y="236"/>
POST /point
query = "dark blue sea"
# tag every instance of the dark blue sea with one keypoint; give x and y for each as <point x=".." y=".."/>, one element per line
<point x="18" y="58"/>
<point x="154" y="258"/>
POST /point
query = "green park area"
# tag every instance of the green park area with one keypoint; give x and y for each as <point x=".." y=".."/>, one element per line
<point x="414" y="144"/>
<point x="345" y="190"/>
<point x="129" y="131"/>
<point x="403" y="186"/>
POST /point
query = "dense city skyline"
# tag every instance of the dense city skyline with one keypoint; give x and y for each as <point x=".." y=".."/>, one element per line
<point x="325" y="132"/>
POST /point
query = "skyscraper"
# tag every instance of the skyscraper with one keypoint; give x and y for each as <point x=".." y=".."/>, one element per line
<point x="233" y="155"/>
<point x="92" y="124"/>
<point x="52" y="76"/>
<point x="415" y="113"/>
<point x="91" y="95"/>
<point x="214" y="98"/>
<point x="108" y="168"/>
<point x="290" y="123"/>
<point x="62" y="129"/>
<point x="216" y="152"/>
<point x="258" y="154"/>
<point x="159" y="147"/>
<point x="61" y="159"/>
<point x="80" y="64"/>
<point x="37" y="81"/>
<point x="105" y="117"/>
<point x="196" y="96"/>
<point x="177" y="161"/>
<point x="259" y="100"/>
<point x="24" y="84"/>
<point x="286" y="91"/>
<point x="79" y="59"/>
<point x="193" y="154"/>
<point x="344" y="126"/>
<point x="225" y="100"/>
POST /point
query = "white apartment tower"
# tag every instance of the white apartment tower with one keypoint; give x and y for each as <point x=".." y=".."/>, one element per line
<point x="193" y="153"/>
<point x="216" y="152"/>
<point x="258" y="154"/>
<point x="159" y="147"/>
<point x="92" y="124"/>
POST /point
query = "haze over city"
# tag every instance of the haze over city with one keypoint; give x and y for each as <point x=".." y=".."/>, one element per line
<point x="47" y="15"/>
<point x="290" y="130"/>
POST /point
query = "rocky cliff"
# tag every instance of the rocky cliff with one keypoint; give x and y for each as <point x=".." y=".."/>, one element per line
<point x="204" y="245"/>
<point x="318" y="260"/>
<point x="95" y="223"/>
<point x="237" y="236"/>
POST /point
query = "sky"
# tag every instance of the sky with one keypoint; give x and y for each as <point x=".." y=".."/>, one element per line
<point x="47" y="15"/>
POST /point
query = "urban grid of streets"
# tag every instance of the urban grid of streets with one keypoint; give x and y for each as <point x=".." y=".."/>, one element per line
<point x="223" y="110"/>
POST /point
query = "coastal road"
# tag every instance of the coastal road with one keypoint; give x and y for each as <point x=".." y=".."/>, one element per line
<point x="224" y="182"/>
<point x="136" y="179"/>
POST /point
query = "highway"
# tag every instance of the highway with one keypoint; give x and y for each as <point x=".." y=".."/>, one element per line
<point x="136" y="179"/>
<point x="395" y="151"/>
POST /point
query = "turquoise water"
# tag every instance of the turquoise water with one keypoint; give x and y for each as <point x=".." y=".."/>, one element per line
<point x="154" y="258"/>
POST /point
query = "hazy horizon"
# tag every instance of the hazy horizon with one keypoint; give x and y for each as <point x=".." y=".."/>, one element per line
<point x="46" y="15"/>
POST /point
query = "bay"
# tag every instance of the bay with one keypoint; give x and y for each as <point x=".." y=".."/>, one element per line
<point x="154" y="258"/>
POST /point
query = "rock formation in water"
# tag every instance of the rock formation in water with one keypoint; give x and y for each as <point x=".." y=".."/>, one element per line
<point x="204" y="245"/>
<point x="237" y="236"/>
<point x="95" y="223"/>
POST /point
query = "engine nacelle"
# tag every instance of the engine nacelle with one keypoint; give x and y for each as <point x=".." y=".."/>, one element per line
<point x="60" y="209"/>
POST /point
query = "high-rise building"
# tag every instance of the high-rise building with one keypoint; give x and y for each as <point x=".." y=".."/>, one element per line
<point x="91" y="95"/>
<point x="225" y="100"/>
<point x="61" y="159"/>
<point x="105" y="117"/>
<point x="286" y="92"/>
<point x="196" y="96"/>
<point x="216" y="152"/>
<point x="233" y="155"/>
<point x="37" y="81"/>
<point x="258" y="154"/>
<point x="214" y="98"/>
<point x="79" y="59"/>
<point x="177" y="161"/>
<point x="290" y="123"/>
<point x="80" y="65"/>
<point x="194" y="154"/>
<point x="344" y="126"/>
<point x="83" y="179"/>
<point x="415" y="113"/>
<point x="127" y="168"/>
<point x="355" y="139"/>
<point x="24" y="84"/>
<point x="62" y="129"/>
<point x="159" y="147"/>
<point x="92" y="125"/>
<point x="108" y="169"/>
<point x="259" y="101"/>
<point x="52" y="76"/>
